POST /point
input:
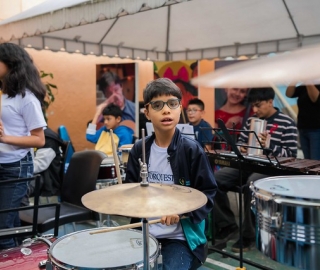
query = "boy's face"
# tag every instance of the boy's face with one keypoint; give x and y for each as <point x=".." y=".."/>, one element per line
<point x="163" y="119"/>
<point x="194" y="114"/>
<point x="263" y="109"/>
<point x="111" y="122"/>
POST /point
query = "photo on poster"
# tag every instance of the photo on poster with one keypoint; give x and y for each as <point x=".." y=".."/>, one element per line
<point x="115" y="83"/>
<point x="180" y="72"/>
<point x="231" y="104"/>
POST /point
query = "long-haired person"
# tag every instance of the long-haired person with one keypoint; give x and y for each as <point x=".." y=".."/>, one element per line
<point x="21" y="128"/>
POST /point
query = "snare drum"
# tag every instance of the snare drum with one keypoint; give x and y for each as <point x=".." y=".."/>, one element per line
<point x="107" y="169"/>
<point x="121" y="249"/>
<point x="288" y="219"/>
<point x="29" y="256"/>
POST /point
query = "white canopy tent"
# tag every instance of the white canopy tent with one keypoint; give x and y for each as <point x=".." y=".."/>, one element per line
<point x="166" y="29"/>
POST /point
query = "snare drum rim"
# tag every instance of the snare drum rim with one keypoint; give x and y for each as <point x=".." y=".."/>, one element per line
<point x="262" y="193"/>
<point x="126" y="150"/>
<point x="66" y="266"/>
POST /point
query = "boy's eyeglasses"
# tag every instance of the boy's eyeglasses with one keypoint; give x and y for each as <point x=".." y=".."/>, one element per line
<point x="193" y="111"/>
<point x="159" y="104"/>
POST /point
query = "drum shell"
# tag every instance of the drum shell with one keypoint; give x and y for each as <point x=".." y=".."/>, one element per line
<point x="13" y="258"/>
<point x="287" y="227"/>
<point x="107" y="251"/>
<point x="107" y="171"/>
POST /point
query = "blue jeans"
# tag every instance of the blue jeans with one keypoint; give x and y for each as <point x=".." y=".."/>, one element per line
<point x="310" y="143"/>
<point x="177" y="255"/>
<point x="12" y="194"/>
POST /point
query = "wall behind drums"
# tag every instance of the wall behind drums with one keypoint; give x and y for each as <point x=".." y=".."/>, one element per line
<point x="75" y="99"/>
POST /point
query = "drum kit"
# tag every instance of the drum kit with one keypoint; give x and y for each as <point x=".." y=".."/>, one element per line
<point x="287" y="208"/>
<point x="120" y="247"/>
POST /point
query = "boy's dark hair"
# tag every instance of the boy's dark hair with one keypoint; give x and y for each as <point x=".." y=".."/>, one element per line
<point x="113" y="110"/>
<point x="107" y="78"/>
<point x="194" y="65"/>
<point x="260" y="94"/>
<point x="160" y="87"/>
<point x="196" y="101"/>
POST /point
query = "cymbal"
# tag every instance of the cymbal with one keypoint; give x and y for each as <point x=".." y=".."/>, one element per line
<point x="298" y="66"/>
<point x="134" y="200"/>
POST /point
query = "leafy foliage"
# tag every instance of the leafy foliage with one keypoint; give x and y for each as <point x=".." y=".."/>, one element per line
<point x="50" y="96"/>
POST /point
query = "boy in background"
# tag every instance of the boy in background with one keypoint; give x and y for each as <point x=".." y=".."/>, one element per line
<point x="283" y="143"/>
<point x="195" y="111"/>
<point x="112" y="115"/>
<point x="177" y="160"/>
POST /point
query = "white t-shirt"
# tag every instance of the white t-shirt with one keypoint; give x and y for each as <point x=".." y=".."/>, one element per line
<point x="19" y="115"/>
<point x="159" y="171"/>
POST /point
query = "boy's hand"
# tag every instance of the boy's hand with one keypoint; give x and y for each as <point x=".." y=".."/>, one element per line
<point x="116" y="99"/>
<point x="263" y="138"/>
<point x="101" y="106"/>
<point x="170" y="220"/>
<point x="243" y="149"/>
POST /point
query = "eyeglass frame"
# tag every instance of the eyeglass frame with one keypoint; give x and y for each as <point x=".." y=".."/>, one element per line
<point x="163" y="103"/>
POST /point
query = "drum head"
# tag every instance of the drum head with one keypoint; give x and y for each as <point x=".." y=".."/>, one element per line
<point x="297" y="186"/>
<point x="104" y="250"/>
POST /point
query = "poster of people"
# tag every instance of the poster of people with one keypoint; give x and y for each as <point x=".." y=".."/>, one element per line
<point x="115" y="83"/>
<point x="231" y="104"/>
<point x="181" y="72"/>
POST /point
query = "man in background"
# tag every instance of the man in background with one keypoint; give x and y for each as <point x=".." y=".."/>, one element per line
<point x="110" y="85"/>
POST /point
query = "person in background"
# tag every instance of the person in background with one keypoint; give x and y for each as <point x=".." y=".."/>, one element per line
<point x="110" y="85"/>
<point x="283" y="143"/>
<point x="47" y="161"/>
<point x="308" y="118"/>
<point x="195" y="111"/>
<point x="188" y="90"/>
<point x="233" y="112"/>
<point x="21" y="128"/>
<point x="178" y="160"/>
<point x="112" y="115"/>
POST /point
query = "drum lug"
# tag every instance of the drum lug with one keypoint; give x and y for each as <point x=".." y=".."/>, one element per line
<point x="276" y="220"/>
<point x="43" y="264"/>
<point x="253" y="206"/>
<point x="159" y="259"/>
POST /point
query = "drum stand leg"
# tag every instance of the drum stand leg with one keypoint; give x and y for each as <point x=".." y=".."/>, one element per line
<point x="145" y="231"/>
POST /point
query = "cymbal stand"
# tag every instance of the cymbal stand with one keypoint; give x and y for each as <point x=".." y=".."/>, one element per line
<point x="145" y="235"/>
<point x="145" y="224"/>
<point x="143" y="165"/>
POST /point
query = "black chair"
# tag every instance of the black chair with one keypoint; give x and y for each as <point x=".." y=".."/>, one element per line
<point x="31" y="229"/>
<point x="80" y="178"/>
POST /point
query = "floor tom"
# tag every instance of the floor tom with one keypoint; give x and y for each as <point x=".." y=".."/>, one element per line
<point x="287" y="212"/>
<point x="32" y="254"/>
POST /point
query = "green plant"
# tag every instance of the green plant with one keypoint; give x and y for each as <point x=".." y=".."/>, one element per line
<point x="49" y="96"/>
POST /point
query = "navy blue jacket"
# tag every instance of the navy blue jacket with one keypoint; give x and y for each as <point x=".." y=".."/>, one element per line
<point x="190" y="167"/>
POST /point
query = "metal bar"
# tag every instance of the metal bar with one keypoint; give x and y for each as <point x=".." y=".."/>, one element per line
<point x="291" y="18"/>
<point x="145" y="231"/>
<point x="230" y="255"/>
